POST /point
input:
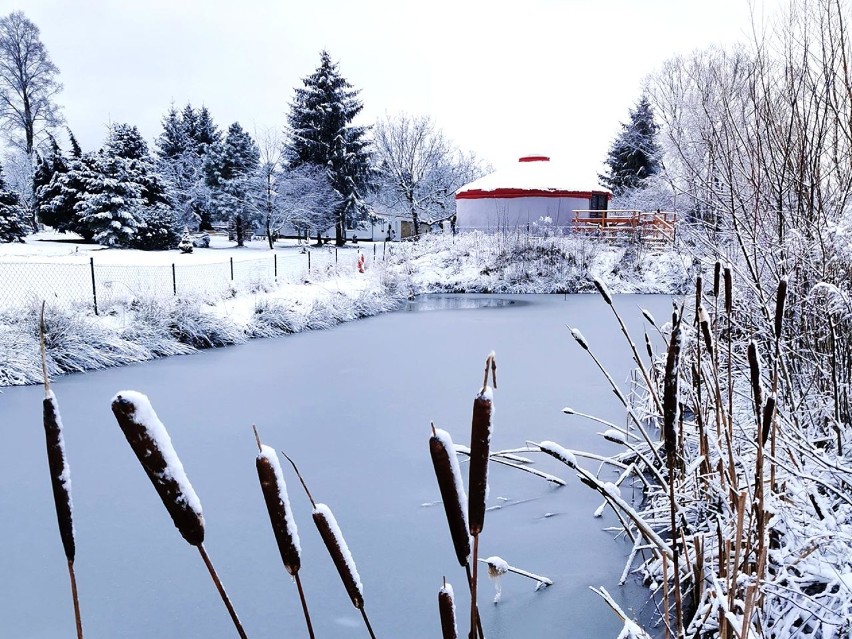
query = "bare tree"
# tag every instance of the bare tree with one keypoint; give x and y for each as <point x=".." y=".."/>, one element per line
<point x="28" y="84"/>
<point x="270" y="143"/>
<point x="306" y="199"/>
<point x="419" y="169"/>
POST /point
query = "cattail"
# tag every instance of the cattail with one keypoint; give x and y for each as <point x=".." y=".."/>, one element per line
<point x="452" y="491"/>
<point x="699" y="286"/>
<point x="60" y="473"/>
<point x="562" y="454"/>
<point x="717" y="271"/>
<point x="603" y="290"/>
<point x="447" y="610"/>
<point x="647" y="315"/>
<point x="780" y="299"/>
<point x="278" y="505"/>
<point x="480" y="443"/>
<point x="768" y="415"/>
<point x="578" y="336"/>
<point x="754" y="370"/>
<point x="729" y="289"/>
<point x="670" y="394"/>
<point x="153" y="447"/>
<point x="340" y="554"/>
<point x="648" y="346"/>
<point x="568" y="410"/>
<point x="704" y="324"/>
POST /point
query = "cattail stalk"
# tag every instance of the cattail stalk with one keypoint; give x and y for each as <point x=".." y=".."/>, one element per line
<point x="150" y="441"/>
<point x="60" y="476"/>
<point x="284" y="528"/>
<point x="338" y="550"/>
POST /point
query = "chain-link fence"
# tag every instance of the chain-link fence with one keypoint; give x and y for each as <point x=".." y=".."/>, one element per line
<point x="97" y="285"/>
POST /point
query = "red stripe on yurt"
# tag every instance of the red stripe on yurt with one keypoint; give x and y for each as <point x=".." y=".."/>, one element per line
<point x="534" y="158"/>
<point x="496" y="194"/>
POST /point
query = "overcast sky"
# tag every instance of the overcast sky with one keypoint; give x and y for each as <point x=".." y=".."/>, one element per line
<point x="502" y="79"/>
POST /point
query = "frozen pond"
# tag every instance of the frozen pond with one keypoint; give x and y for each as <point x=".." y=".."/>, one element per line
<point x="352" y="406"/>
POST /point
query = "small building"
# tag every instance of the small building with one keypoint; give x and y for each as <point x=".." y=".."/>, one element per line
<point x="534" y="193"/>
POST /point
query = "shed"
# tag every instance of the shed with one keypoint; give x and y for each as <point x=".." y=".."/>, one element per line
<point x="533" y="192"/>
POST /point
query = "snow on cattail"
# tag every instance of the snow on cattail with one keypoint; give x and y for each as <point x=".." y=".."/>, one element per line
<point x="278" y="505"/>
<point x="647" y="315"/>
<point x="704" y="323"/>
<point x="150" y="440"/>
<point x="447" y="611"/>
<point x="780" y="300"/>
<point x="603" y="290"/>
<point x="449" y="478"/>
<point x="578" y="336"/>
<point x="562" y="454"/>
<point x="340" y="554"/>
<point x="615" y="436"/>
<point x="60" y="473"/>
<point x="480" y="445"/>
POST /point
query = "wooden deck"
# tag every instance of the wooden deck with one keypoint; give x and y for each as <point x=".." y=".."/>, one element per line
<point x="656" y="227"/>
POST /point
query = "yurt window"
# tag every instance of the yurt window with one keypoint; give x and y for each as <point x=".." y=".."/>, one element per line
<point x="598" y="202"/>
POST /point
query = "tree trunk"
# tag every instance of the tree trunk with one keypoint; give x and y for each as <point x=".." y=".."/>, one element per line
<point x="339" y="230"/>
<point x="415" y="221"/>
<point x="269" y="233"/>
<point x="238" y="224"/>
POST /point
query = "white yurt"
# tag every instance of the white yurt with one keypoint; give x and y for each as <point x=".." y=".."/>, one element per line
<point x="534" y="193"/>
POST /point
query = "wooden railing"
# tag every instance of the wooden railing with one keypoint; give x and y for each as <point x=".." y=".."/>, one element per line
<point x="654" y="226"/>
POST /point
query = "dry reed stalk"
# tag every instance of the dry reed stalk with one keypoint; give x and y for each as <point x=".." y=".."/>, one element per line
<point x="337" y="549"/>
<point x="447" y="611"/>
<point x="60" y="475"/>
<point x="480" y="449"/>
<point x="604" y="291"/>
<point x="150" y="441"/>
<point x="274" y="490"/>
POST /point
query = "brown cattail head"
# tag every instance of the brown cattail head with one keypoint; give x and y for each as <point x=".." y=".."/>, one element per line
<point x="699" y="291"/>
<point x="60" y="473"/>
<point x="648" y="347"/>
<point x="780" y="300"/>
<point x="480" y="449"/>
<point x="153" y="447"/>
<point x="452" y="492"/>
<point x="671" y="394"/>
<point x="278" y="506"/>
<point x="704" y="325"/>
<point x="447" y="610"/>
<point x="339" y="551"/>
<point x="768" y="416"/>
<point x="717" y="272"/>
<point x="603" y="290"/>
<point x="729" y="290"/>
<point x="754" y="370"/>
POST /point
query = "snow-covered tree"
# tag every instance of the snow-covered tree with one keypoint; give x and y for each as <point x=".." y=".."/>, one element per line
<point x="49" y="164"/>
<point x="419" y="169"/>
<point x="321" y="133"/>
<point x="181" y="151"/>
<point x="28" y="84"/>
<point x="231" y="173"/>
<point x="12" y="224"/>
<point x="307" y="200"/>
<point x="634" y="155"/>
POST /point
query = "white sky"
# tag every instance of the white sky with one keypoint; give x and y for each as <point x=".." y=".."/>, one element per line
<point x="502" y="79"/>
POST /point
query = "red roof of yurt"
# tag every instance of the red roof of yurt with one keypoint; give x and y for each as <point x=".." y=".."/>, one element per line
<point x="532" y="176"/>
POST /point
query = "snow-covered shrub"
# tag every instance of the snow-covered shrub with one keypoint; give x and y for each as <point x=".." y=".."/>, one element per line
<point x="192" y="324"/>
<point x="158" y="229"/>
<point x="201" y="241"/>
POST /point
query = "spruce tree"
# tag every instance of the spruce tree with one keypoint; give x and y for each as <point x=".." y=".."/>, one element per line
<point x="321" y="134"/>
<point x="231" y="172"/>
<point x="12" y="218"/>
<point x="634" y="155"/>
<point x="46" y="166"/>
<point x="173" y="141"/>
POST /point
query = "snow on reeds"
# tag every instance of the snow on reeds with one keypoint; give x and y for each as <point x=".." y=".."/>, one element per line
<point x="447" y="612"/>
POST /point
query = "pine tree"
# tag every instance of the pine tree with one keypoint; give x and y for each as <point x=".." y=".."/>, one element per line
<point x="321" y="133"/>
<point x="12" y="218"/>
<point x="76" y="151"/>
<point x="206" y="133"/>
<point x="173" y="142"/>
<point x="46" y="166"/>
<point x="231" y="173"/>
<point x="634" y="155"/>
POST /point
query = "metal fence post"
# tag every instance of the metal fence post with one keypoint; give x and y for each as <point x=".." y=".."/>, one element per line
<point x="94" y="287"/>
<point x="335" y="256"/>
<point x="374" y="252"/>
<point x="275" y="262"/>
<point x="232" y="269"/>
<point x="309" y="261"/>
<point x="174" y="279"/>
